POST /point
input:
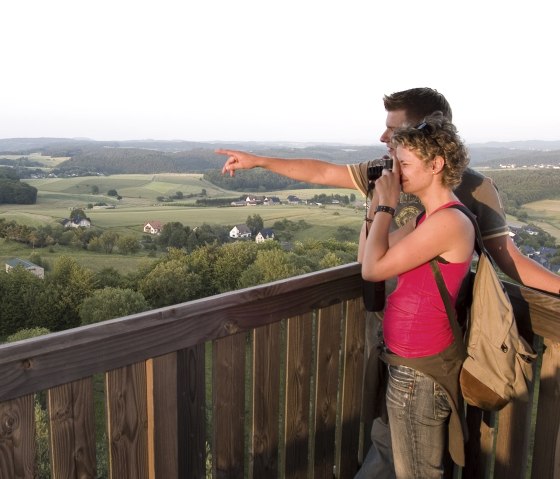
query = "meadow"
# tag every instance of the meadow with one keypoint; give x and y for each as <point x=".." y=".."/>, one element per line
<point x="546" y="215"/>
<point x="57" y="196"/>
<point x="139" y="204"/>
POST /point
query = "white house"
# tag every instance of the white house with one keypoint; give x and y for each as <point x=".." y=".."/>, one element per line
<point x="254" y="200"/>
<point x="266" y="234"/>
<point x="28" y="265"/>
<point x="271" y="201"/>
<point x="240" y="231"/>
<point x="153" y="227"/>
<point x="76" y="223"/>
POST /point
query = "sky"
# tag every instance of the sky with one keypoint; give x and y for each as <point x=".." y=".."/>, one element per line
<point x="289" y="70"/>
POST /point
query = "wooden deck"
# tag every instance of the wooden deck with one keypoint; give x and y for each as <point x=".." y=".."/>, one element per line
<point x="258" y="383"/>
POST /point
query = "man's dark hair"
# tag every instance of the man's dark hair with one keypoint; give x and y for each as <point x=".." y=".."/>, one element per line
<point x="418" y="103"/>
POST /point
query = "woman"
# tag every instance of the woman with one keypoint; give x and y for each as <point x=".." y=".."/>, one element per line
<point x="423" y="392"/>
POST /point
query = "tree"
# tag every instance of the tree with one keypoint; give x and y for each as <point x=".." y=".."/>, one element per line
<point x="66" y="287"/>
<point x="345" y="233"/>
<point x="108" y="240"/>
<point x="94" y="189"/>
<point x="109" y="303"/>
<point x="170" y="282"/>
<point x="107" y="277"/>
<point x="128" y="245"/>
<point x="202" y="261"/>
<point x="207" y="234"/>
<point x="270" y="265"/>
<point x="173" y="235"/>
<point x="254" y="223"/>
<point x="232" y="261"/>
<point x="330" y="260"/>
<point x="8" y="174"/>
<point x="12" y="190"/>
<point x="27" y="334"/>
<point x="77" y="214"/>
<point x="112" y="193"/>
<point x="21" y="308"/>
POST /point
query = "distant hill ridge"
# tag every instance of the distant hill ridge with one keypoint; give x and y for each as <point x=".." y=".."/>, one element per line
<point x="180" y="156"/>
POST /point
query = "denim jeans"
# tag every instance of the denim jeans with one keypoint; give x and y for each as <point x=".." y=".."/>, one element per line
<point x="378" y="463"/>
<point x="418" y="410"/>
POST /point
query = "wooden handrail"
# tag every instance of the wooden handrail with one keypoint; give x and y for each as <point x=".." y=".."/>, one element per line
<point x="58" y="358"/>
<point x="289" y="352"/>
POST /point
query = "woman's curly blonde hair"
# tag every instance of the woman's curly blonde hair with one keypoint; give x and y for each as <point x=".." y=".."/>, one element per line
<point x="436" y="136"/>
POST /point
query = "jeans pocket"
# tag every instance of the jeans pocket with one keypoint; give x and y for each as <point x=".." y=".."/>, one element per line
<point x="400" y="386"/>
<point x="442" y="409"/>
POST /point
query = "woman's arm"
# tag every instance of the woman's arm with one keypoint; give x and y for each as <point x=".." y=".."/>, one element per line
<point x="447" y="233"/>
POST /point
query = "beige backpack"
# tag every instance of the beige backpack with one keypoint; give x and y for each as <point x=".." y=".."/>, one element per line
<point x="498" y="361"/>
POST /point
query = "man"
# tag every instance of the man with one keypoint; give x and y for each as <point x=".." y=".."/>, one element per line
<point x="477" y="192"/>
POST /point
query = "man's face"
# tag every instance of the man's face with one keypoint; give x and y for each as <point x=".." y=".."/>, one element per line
<point x="395" y="119"/>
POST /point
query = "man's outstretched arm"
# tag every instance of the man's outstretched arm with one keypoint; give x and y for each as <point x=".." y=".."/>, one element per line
<point x="307" y="170"/>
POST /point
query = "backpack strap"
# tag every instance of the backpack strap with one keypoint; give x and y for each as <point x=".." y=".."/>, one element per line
<point x="449" y="309"/>
<point x="479" y="243"/>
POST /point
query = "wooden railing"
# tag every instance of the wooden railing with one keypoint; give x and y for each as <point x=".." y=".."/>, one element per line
<point x="263" y="382"/>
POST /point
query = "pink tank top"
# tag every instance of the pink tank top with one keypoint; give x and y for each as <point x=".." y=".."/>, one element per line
<point x="415" y="323"/>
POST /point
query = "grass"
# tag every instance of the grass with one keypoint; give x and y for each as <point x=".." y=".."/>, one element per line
<point x="58" y="195"/>
<point x="139" y="205"/>
<point x="46" y="161"/>
<point x="88" y="259"/>
<point x="148" y="187"/>
<point x="546" y="215"/>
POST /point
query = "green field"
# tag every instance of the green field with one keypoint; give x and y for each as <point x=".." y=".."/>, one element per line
<point x="57" y="196"/>
<point x="139" y="203"/>
<point x="47" y="161"/>
<point x="546" y="215"/>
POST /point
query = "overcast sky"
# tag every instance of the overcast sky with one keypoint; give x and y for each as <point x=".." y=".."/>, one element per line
<point x="288" y="70"/>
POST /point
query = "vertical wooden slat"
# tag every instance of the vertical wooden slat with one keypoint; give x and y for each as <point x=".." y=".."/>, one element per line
<point x="266" y="398"/>
<point x="162" y="416"/>
<point x="512" y="441"/>
<point x="72" y="424"/>
<point x="191" y="396"/>
<point x="546" y="452"/>
<point x="127" y="422"/>
<point x="353" y="366"/>
<point x="229" y="403"/>
<point x="17" y="438"/>
<point x="299" y="336"/>
<point x="514" y="438"/>
<point x="328" y="348"/>
<point x="373" y="398"/>
<point x="479" y="449"/>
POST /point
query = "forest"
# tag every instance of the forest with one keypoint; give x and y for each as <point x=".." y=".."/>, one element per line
<point x="520" y="187"/>
<point x="72" y="295"/>
<point x="14" y="191"/>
